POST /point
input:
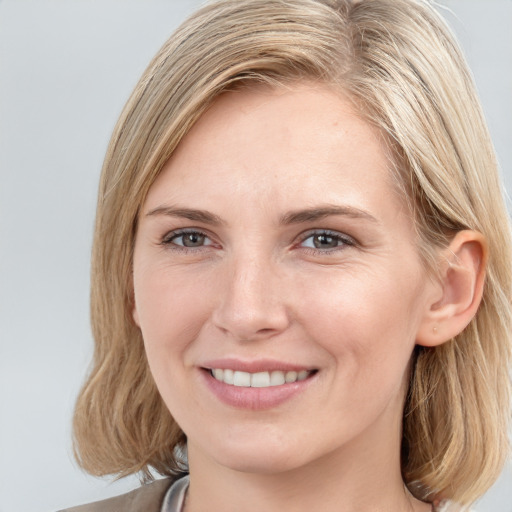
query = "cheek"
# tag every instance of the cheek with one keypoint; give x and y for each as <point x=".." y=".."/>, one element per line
<point x="170" y="309"/>
<point x="368" y="318"/>
<point x="366" y="327"/>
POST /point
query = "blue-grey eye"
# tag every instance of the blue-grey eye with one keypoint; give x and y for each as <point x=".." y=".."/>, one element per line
<point x="191" y="239"/>
<point x="322" y="241"/>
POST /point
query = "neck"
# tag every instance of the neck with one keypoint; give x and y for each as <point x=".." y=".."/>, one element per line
<point x="362" y="477"/>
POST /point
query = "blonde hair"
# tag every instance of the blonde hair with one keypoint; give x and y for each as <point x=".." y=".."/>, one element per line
<point x="399" y="63"/>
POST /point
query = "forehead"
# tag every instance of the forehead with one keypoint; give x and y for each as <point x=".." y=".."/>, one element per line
<point x="304" y="133"/>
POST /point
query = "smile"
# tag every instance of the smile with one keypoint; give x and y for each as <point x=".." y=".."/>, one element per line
<point x="258" y="379"/>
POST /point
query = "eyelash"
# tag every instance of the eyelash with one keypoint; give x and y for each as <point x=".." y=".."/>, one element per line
<point x="169" y="240"/>
<point x="343" y="241"/>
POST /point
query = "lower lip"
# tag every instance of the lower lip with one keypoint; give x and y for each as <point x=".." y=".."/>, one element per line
<point x="255" y="399"/>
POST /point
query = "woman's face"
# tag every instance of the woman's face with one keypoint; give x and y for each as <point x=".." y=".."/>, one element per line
<point x="277" y="283"/>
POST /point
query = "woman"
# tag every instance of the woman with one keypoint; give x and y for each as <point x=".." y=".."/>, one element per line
<point x="301" y="270"/>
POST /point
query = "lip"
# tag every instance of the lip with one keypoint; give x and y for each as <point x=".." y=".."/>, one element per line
<point x="255" y="399"/>
<point x="260" y="365"/>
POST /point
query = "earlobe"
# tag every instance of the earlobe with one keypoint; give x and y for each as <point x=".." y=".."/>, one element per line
<point x="462" y="278"/>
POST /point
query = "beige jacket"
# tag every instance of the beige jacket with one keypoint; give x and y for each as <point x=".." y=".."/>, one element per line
<point x="147" y="498"/>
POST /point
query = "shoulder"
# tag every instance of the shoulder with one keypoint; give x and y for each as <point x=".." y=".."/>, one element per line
<point x="147" y="498"/>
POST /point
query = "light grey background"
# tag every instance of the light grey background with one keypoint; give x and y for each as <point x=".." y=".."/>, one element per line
<point x="66" y="69"/>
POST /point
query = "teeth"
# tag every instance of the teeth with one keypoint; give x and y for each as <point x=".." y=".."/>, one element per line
<point x="259" y="379"/>
<point x="229" y="377"/>
<point x="302" y="375"/>
<point x="290" y="376"/>
<point x="277" y="378"/>
<point x="242" y="379"/>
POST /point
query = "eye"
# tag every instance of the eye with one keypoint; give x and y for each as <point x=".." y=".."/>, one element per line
<point x="187" y="239"/>
<point x="325" y="240"/>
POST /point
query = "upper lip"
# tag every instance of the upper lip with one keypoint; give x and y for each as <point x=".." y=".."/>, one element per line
<point x="259" y="365"/>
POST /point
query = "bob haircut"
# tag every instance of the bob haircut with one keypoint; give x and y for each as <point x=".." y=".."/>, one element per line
<point x="399" y="64"/>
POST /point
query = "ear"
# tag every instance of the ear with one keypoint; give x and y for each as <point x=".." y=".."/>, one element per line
<point x="461" y="284"/>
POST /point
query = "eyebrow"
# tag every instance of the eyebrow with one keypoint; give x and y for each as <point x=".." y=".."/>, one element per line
<point x="293" y="217"/>
<point x="203" y="216"/>
<point x="317" y="213"/>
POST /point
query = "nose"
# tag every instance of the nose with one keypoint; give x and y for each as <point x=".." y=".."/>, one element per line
<point x="252" y="301"/>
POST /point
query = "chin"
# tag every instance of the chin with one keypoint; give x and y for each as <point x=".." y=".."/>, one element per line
<point x="262" y="463"/>
<point x="264" y="455"/>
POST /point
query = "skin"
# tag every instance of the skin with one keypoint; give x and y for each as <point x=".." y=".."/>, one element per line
<point x="254" y="287"/>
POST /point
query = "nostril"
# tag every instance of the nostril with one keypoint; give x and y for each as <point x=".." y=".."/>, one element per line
<point x="266" y="331"/>
<point x="245" y="327"/>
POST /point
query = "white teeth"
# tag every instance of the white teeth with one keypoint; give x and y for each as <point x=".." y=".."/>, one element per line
<point x="242" y="379"/>
<point x="277" y="379"/>
<point x="291" y="376"/>
<point x="259" y="379"/>
<point x="302" y="375"/>
<point x="229" y="376"/>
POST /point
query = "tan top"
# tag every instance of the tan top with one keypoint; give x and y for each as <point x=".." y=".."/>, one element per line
<point x="163" y="496"/>
<point x="147" y="498"/>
